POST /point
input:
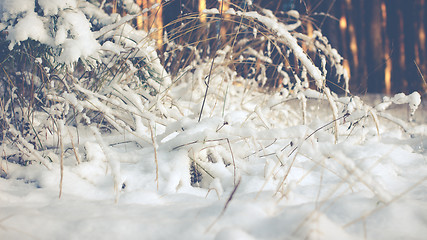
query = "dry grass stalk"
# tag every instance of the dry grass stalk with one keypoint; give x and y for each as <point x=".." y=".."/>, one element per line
<point x="153" y="139"/>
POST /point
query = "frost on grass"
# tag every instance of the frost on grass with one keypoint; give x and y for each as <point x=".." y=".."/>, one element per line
<point x="297" y="163"/>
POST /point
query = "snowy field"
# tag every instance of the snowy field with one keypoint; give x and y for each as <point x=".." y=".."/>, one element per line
<point x="256" y="177"/>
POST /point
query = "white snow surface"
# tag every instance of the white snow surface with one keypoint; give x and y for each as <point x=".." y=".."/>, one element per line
<point x="363" y="187"/>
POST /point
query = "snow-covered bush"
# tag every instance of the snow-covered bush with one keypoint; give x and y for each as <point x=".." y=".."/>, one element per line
<point x="59" y="25"/>
<point x="51" y="50"/>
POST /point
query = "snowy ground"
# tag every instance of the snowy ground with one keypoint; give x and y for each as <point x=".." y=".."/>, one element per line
<point x="363" y="187"/>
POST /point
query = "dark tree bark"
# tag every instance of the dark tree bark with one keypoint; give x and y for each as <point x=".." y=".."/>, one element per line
<point x="409" y="33"/>
<point x="361" y="75"/>
<point x="375" y="46"/>
<point x="395" y="34"/>
<point x="420" y="48"/>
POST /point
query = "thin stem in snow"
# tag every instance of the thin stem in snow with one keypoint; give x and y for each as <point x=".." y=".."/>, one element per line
<point x="155" y="153"/>
<point x="218" y="38"/>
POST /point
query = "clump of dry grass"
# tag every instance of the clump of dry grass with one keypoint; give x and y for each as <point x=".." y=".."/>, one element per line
<point x="254" y="50"/>
<point x="44" y="102"/>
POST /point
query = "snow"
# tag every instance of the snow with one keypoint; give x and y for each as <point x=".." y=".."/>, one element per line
<point x="81" y="44"/>
<point x="52" y="7"/>
<point x="212" y="11"/>
<point x="11" y="8"/>
<point x="31" y="26"/>
<point x="359" y="188"/>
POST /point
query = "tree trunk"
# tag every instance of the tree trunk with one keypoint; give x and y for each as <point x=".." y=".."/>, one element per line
<point x="375" y="51"/>
<point x="360" y="82"/>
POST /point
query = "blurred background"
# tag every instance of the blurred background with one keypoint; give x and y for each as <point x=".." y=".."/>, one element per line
<point x="383" y="42"/>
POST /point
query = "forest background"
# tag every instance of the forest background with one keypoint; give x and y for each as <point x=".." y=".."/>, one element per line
<point x="383" y="42"/>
